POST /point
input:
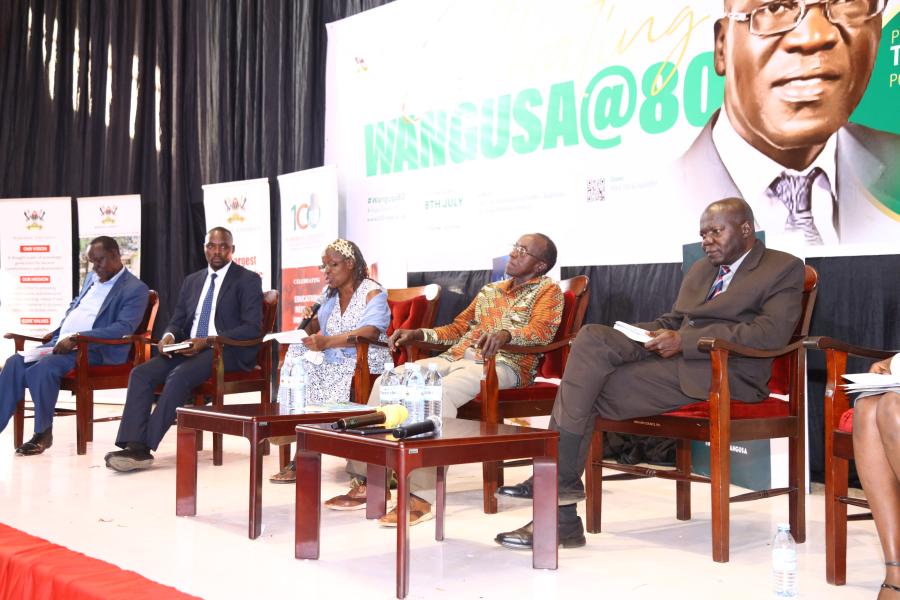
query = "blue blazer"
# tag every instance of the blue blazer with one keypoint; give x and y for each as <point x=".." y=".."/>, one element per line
<point x="120" y="314"/>
<point x="238" y="310"/>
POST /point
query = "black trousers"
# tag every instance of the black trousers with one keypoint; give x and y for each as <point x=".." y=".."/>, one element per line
<point x="179" y="375"/>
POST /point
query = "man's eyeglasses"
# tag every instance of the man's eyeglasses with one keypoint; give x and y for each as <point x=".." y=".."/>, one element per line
<point x="519" y="250"/>
<point x="781" y="16"/>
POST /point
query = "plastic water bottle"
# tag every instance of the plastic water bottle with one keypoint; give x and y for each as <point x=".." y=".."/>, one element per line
<point x="784" y="563"/>
<point x="414" y="384"/>
<point x="298" y="386"/>
<point x="434" y="395"/>
<point x="284" y="385"/>
<point x="391" y="390"/>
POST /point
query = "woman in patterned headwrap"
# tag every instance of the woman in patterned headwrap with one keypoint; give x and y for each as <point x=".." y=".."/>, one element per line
<point x="350" y="304"/>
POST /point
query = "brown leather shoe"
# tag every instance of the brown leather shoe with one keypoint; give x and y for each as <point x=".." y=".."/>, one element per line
<point x="355" y="499"/>
<point x="286" y="475"/>
<point x="419" y="511"/>
<point x="37" y="444"/>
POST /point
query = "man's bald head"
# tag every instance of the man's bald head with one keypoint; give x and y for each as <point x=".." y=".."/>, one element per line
<point x="726" y="230"/>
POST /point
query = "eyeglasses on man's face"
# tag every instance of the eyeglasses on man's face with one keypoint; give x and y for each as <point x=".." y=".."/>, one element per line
<point x="520" y="250"/>
<point x="781" y="16"/>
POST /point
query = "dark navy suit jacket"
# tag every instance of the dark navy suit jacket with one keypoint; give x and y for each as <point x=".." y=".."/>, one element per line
<point x="238" y="310"/>
<point x="120" y="314"/>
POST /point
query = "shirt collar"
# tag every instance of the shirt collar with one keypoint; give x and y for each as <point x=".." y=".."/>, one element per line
<point x="109" y="282"/>
<point x="220" y="273"/>
<point x="753" y="171"/>
<point x="507" y="284"/>
<point x="736" y="264"/>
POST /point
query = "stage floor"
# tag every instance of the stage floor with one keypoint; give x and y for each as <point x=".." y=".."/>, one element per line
<point x="644" y="552"/>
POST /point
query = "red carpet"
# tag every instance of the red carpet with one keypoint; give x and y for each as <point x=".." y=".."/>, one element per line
<point x="35" y="569"/>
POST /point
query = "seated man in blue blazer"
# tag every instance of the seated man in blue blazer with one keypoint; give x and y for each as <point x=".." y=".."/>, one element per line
<point x="111" y="304"/>
<point x="223" y="299"/>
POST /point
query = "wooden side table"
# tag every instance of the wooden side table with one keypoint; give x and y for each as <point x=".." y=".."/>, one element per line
<point x="461" y="441"/>
<point x="256" y="422"/>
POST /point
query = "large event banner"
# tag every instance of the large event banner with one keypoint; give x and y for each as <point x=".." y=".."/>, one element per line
<point x="309" y="222"/>
<point x="35" y="265"/>
<point x="457" y="125"/>
<point x="242" y="207"/>
<point x="118" y="217"/>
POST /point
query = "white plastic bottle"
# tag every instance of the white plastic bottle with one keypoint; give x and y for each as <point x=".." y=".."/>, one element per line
<point x="784" y="563"/>
<point x="284" y="386"/>
<point x="297" y="386"/>
<point x="414" y="385"/>
<point x="434" y="396"/>
<point x="391" y="390"/>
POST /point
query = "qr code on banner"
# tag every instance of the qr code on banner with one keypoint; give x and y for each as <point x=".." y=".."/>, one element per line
<point x="596" y="189"/>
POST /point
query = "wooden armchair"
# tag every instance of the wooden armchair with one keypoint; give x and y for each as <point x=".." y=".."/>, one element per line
<point x="839" y="452"/>
<point x="719" y="421"/>
<point x="85" y="378"/>
<point x="259" y="379"/>
<point x="493" y="405"/>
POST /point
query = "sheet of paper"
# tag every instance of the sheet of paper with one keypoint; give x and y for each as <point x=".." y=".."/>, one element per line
<point x="34" y="354"/>
<point x="292" y="336"/>
<point x="635" y="333"/>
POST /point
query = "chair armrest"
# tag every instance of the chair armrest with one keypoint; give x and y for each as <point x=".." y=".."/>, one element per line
<point x="543" y="349"/>
<point x="87" y="339"/>
<point x="709" y="344"/>
<point x="365" y="340"/>
<point x="827" y="343"/>
<point x="420" y="345"/>
<point x="23" y="337"/>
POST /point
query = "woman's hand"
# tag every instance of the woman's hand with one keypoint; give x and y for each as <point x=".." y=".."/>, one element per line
<point x="882" y="367"/>
<point x="317" y="342"/>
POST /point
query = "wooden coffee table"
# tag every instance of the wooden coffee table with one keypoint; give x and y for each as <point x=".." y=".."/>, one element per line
<point x="256" y="422"/>
<point x="461" y="441"/>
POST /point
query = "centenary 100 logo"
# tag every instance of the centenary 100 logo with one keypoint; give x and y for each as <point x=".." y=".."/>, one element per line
<point x="306" y="215"/>
<point x="34" y="219"/>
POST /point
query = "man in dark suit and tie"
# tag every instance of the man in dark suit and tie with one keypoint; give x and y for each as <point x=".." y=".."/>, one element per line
<point x="111" y="304"/>
<point x="223" y="299"/>
<point x="743" y="293"/>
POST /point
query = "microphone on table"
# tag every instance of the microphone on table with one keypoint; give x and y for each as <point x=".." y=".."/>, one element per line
<point x="429" y="425"/>
<point x="314" y="309"/>
<point x="390" y="415"/>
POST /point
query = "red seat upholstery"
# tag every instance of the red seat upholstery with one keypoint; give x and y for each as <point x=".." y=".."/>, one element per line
<point x="768" y="408"/>
<point x="845" y="423"/>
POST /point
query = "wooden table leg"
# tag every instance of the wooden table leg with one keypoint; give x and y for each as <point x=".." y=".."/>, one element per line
<point x="440" y="503"/>
<point x="376" y="491"/>
<point x="186" y="472"/>
<point x="546" y="532"/>
<point x="308" y="504"/>
<point x="402" y="529"/>
<point x="256" y="464"/>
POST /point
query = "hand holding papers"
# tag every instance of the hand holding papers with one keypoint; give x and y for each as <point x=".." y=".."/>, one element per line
<point x="169" y="348"/>
<point x="295" y="336"/>
<point x="635" y="333"/>
<point x="872" y="384"/>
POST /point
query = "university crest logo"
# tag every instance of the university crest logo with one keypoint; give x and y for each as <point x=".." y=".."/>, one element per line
<point x="234" y="209"/>
<point x="34" y="219"/>
<point x="108" y="215"/>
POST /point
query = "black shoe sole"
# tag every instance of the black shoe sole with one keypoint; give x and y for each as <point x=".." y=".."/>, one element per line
<point x="566" y="543"/>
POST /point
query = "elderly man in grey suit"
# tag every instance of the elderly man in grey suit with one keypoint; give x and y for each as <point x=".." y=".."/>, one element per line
<point x="794" y="72"/>
<point x="743" y="293"/>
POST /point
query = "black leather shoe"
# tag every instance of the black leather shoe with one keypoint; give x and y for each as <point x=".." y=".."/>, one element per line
<point x="132" y="458"/>
<point x="570" y="536"/>
<point x="37" y="444"/>
<point x="525" y="491"/>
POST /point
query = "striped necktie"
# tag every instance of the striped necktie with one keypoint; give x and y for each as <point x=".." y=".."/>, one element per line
<point x="719" y="284"/>
<point x="795" y="191"/>
<point x="206" y="309"/>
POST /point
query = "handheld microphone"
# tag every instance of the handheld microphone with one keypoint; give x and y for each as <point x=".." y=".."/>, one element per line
<point x="314" y="308"/>
<point x="391" y="415"/>
<point x="430" y="425"/>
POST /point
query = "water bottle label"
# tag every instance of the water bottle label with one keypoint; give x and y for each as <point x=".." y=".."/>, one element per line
<point x="784" y="560"/>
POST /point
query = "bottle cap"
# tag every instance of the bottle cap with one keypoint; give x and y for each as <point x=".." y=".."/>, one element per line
<point x="432" y="366"/>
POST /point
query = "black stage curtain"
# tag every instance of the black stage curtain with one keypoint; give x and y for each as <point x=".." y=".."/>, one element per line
<point x="240" y="94"/>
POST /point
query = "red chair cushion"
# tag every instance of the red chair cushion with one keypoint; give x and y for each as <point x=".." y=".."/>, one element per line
<point x="845" y="423"/>
<point x="407" y="314"/>
<point x="103" y="371"/>
<point x="768" y="408"/>
<point x="551" y="365"/>
<point x="780" y="381"/>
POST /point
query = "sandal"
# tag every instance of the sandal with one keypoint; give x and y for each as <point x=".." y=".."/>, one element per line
<point x="891" y="586"/>
<point x="286" y="475"/>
